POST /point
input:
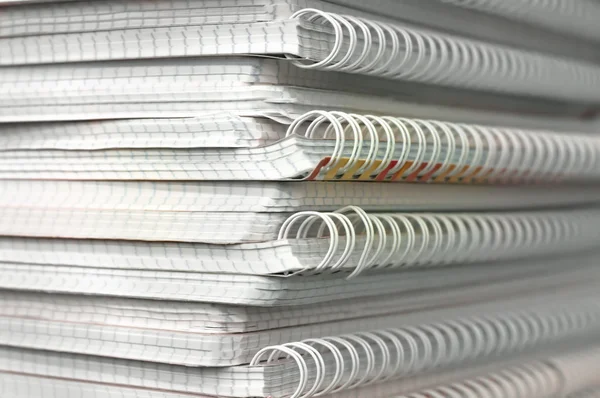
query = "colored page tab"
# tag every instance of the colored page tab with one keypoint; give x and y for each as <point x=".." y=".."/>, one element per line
<point x="429" y="174"/>
<point x="368" y="174"/>
<point x="415" y="174"/>
<point x="458" y="176"/>
<point x="382" y="176"/>
<point x="315" y="173"/>
<point x="400" y="173"/>
<point x="472" y="175"/>
<point x="334" y="171"/>
<point x="442" y="177"/>
<point x="349" y="175"/>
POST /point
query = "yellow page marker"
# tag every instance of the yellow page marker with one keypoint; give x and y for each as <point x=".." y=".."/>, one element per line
<point x="332" y="174"/>
<point x="402" y="170"/>
<point x="484" y="177"/>
<point x="456" y="178"/>
<point x="469" y="178"/>
<point x="443" y="176"/>
<point x="368" y="174"/>
<point x="349" y="175"/>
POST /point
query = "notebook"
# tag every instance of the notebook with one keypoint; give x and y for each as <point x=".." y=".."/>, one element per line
<point x="427" y="348"/>
<point x="311" y="38"/>
<point x="207" y="318"/>
<point x="255" y="290"/>
<point x="519" y="29"/>
<point x="339" y="146"/>
<point x="348" y="240"/>
<point x="530" y="380"/>
<point x="188" y="84"/>
<point x="189" y="87"/>
<point x="287" y="197"/>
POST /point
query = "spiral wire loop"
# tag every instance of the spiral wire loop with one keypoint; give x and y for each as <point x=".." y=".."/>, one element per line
<point x="353" y="360"/>
<point x="385" y="148"/>
<point x="576" y="16"/>
<point x="532" y="380"/>
<point x="587" y="393"/>
<point x="401" y="241"/>
<point x="393" y="51"/>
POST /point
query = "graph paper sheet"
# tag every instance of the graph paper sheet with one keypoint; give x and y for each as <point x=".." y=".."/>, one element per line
<point x="332" y="146"/>
<point x="72" y="32"/>
<point x="250" y="289"/>
<point x="210" y="318"/>
<point x="225" y="380"/>
<point x="284" y="243"/>
<point x="189" y="87"/>
<point x="287" y="197"/>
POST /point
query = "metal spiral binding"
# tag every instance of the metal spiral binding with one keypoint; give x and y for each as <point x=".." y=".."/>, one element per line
<point x="579" y="369"/>
<point x="386" y="148"/>
<point x="576" y="16"/>
<point x="396" y="240"/>
<point x="377" y="356"/>
<point x="394" y="51"/>
<point x="532" y="380"/>
<point x="555" y="376"/>
<point x="587" y="393"/>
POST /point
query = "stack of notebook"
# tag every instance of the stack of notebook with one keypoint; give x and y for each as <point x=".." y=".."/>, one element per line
<point x="299" y="198"/>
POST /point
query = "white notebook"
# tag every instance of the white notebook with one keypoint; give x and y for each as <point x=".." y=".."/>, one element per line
<point x="287" y="197"/>
<point x="207" y="318"/>
<point x="421" y="345"/>
<point x="535" y="377"/>
<point x="515" y="25"/>
<point x="250" y="86"/>
<point x="244" y="289"/>
<point x="348" y="240"/>
<point x="188" y="86"/>
<point x="322" y="145"/>
<point x="330" y="41"/>
<point x="539" y="368"/>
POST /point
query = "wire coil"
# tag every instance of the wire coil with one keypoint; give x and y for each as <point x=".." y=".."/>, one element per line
<point x="576" y="17"/>
<point x="532" y="380"/>
<point x="385" y="148"/>
<point x="587" y="393"/>
<point x="335" y="363"/>
<point x="394" y="51"/>
<point x="397" y="240"/>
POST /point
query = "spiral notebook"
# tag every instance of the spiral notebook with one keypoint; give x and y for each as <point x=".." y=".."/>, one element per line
<point x="348" y="240"/>
<point x="288" y="197"/>
<point x="188" y="86"/>
<point x="531" y="379"/>
<point x="256" y="290"/>
<point x="322" y="145"/>
<point x="422" y="346"/>
<point x="310" y="38"/>
<point x="514" y="26"/>
<point x="210" y="319"/>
